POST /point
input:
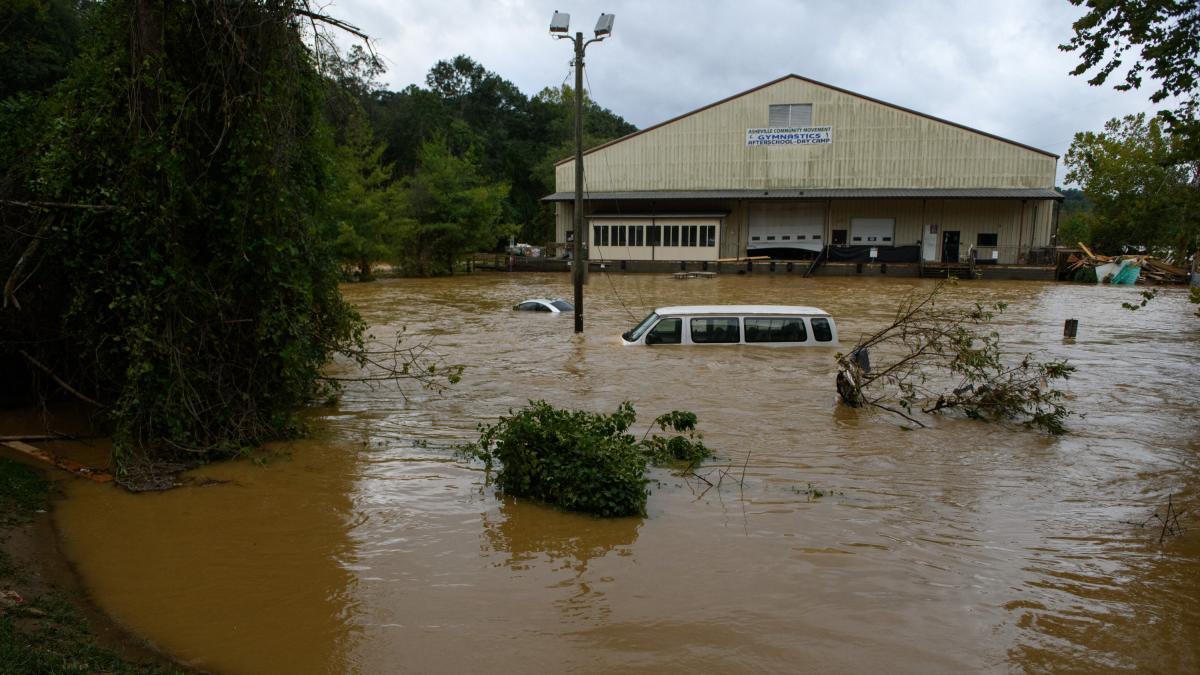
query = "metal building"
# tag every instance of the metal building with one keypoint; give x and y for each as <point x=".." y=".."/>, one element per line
<point x="796" y="168"/>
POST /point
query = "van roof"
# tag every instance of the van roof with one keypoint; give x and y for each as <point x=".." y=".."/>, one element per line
<point x="741" y="309"/>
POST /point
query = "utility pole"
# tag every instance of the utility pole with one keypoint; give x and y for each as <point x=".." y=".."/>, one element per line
<point x="559" y="27"/>
<point x="578" y="263"/>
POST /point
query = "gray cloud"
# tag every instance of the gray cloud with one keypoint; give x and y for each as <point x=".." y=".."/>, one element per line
<point x="992" y="66"/>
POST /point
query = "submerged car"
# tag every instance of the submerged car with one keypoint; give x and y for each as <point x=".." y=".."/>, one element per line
<point x="771" y="325"/>
<point x="555" y="305"/>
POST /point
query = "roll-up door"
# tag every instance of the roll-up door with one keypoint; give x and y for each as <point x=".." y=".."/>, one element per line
<point x="795" y="225"/>
<point x="872" y="231"/>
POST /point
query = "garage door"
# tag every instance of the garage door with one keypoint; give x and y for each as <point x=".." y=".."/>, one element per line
<point x="798" y="225"/>
<point x="872" y="231"/>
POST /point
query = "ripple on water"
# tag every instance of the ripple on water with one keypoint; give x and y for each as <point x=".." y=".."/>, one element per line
<point x="961" y="547"/>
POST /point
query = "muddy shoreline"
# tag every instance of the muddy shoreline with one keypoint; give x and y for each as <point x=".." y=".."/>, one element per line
<point x="38" y="571"/>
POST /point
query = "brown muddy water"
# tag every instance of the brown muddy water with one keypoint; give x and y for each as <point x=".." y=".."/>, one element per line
<point x="371" y="547"/>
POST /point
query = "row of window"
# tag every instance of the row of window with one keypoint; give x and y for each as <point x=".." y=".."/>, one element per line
<point x="725" y="330"/>
<point x="654" y="235"/>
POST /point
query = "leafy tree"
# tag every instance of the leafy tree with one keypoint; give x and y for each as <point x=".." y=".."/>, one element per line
<point x="38" y="38"/>
<point x="1143" y="193"/>
<point x="555" y="109"/>
<point x="366" y="206"/>
<point x="514" y="138"/>
<point x="164" y="253"/>
<point x="452" y="209"/>
<point x="1166" y="34"/>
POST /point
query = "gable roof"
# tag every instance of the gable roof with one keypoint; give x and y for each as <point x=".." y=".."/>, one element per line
<point x="819" y="84"/>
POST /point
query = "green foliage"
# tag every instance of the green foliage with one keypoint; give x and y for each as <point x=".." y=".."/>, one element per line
<point x="38" y="38"/>
<point x="366" y="206"/>
<point x="1166" y="34"/>
<point x="1143" y="193"/>
<point x="685" y="449"/>
<point x="452" y="210"/>
<point x="945" y="359"/>
<point x="514" y="139"/>
<point x="584" y="461"/>
<point x="1147" y="296"/>
<point x="194" y="293"/>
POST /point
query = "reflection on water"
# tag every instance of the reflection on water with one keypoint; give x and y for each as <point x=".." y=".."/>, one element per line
<point x="962" y="547"/>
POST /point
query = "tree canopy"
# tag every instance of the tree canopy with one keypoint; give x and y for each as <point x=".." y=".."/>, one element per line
<point x="1142" y="194"/>
<point x="163" y="233"/>
<point x="1166" y="36"/>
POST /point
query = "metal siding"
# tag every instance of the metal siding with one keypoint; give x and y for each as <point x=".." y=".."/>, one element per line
<point x="873" y="146"/>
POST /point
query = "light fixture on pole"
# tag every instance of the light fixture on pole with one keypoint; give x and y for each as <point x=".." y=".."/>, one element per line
<point x="560" y="27"/>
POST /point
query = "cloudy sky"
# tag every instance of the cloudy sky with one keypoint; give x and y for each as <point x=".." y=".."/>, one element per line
<point x="994" y="66"/>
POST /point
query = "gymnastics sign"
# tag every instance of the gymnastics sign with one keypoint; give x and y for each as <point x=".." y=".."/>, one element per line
<point x="792" y="136"/>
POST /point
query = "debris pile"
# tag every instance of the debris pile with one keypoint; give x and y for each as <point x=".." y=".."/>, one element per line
<point x="1123" y="269"/>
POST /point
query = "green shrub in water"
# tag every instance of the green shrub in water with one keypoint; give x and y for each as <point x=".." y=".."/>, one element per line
<point x="583" y="461"/>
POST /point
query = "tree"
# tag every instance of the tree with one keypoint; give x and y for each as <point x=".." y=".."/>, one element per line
<point x="366" y="206"/>
<point x="944" y="359"/>
<point x="1166" y="34"/>
<point x="514" y="139"/>
<point x="164" y="251"/>
<point x="38" y="38"/>
<point x="1143" y="192"/>
<point x="452" y="210"/>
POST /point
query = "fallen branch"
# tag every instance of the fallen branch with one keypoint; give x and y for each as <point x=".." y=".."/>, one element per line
<point x="40" y="366"/>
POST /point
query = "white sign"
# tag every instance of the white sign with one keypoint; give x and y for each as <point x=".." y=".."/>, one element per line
<point x="790" y="136"/>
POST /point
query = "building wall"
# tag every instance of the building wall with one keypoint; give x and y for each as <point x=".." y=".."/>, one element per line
<point x="874" y="146"/>
<point x="970" y="217"/>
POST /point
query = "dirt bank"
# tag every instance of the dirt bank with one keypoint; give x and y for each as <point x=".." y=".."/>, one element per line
<point x="47" y="621"/>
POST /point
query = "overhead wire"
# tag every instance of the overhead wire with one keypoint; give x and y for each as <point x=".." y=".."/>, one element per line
<point x="617" y="203"/>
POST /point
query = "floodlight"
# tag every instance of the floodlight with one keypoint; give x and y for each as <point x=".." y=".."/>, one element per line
<point x="560" y="22"/>
<point x="604" y="25"/>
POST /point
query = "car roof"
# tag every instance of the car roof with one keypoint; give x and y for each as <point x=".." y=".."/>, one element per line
<point x="741" y="309"/>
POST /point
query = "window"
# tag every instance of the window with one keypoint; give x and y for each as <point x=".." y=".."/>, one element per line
<point x="693" y="239"/>
<point x="563" y="305"/>
<point x="754" y="238"/>
<point x="666" y="332"/>
<point x="821" y="330"/>
<point x="790" y="115"/>
<point x="770" y="237"/>
<point x="788" y="329"/>
<point x="619" y="239"/>
<point x="533" y="307"/>
<point x="986" y="239"/>
<point x="710" y="235"/>
<point x="652" y="236"/>
<point x="596" y="235"/>
<point x="637" y="331"/>
<point x="674" y="230"/>
<point x="639" y="237"/>
<point x="715" y="330"/>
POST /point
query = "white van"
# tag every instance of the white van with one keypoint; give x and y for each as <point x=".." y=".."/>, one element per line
<point x="770" y="325"/>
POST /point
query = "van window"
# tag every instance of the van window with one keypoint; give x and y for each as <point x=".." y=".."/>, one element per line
<point x="821" y="330"/>
<point x="789" y="329"/>
<point x="666" y="332"/>
<point x="715" y="330"/>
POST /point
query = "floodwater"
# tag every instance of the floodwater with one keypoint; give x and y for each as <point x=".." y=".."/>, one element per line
<point x="834" y="540"/>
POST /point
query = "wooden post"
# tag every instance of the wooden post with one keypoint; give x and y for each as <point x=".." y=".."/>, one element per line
<point x="1070" y="328"/>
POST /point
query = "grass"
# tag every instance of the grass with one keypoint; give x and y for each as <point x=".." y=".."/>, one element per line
<point x="45" y="633"/>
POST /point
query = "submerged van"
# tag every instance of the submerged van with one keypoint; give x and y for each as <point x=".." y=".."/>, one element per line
<point x="772" y="325"/>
